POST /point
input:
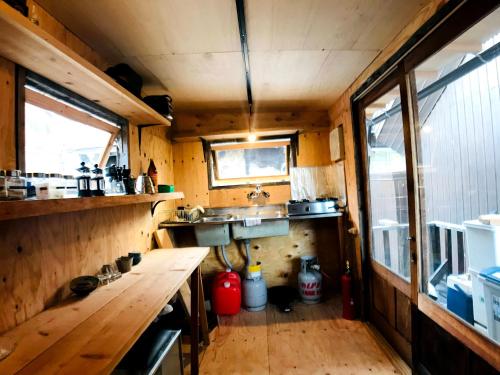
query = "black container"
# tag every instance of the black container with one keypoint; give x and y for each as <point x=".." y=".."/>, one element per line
<point x="161" y="104"/>
<point x="126" y="77"/>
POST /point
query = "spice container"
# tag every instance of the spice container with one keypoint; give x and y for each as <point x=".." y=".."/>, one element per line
<point x="16" y="185"/>
<point x="56" y="186"/>
<point x="83" y="181"/>
<point x="3" y="185"/>
<point x="71" y="190"/>
<point x="41" y="182"/>
<point x="97" y="182"/>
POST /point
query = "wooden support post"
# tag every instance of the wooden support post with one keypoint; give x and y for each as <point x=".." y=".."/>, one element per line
<point x="460" y="252"/>
<point x="387" y="248"/>
<point x="195" y="327"/>
<point x="435" y="243"/>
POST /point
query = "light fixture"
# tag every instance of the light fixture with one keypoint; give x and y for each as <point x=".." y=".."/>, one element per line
<point x="252" y="137"/>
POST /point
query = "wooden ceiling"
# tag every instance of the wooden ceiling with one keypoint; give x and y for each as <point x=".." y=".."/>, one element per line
<point x="303" y="53"/>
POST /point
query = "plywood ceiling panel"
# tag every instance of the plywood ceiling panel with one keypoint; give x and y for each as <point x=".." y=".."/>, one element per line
<point x="303" y="53"/>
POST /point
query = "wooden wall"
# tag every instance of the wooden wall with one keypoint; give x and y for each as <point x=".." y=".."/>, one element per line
<point x="39" y="256"/>
<point x="191" y="176"/>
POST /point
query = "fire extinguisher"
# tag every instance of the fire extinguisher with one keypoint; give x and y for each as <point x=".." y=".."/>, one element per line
<point x="348" y="308"/>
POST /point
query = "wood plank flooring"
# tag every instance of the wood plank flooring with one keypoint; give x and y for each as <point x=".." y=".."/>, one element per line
<point x="310" y="340"/>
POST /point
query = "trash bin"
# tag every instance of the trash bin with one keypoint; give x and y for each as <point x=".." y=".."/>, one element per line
<point x="491" y="283"/>
<point x="157" y="352"/>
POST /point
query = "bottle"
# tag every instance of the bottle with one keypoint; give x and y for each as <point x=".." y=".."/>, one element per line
<point x="16" y="185"/>
<point x="152" y="172"/>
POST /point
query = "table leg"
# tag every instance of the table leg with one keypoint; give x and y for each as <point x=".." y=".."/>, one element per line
<point x="195" y="327"/>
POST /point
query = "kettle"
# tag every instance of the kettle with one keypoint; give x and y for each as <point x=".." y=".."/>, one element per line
<point x="144" y="185"/>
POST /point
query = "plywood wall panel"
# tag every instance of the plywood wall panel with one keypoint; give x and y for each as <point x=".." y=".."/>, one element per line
<point x="7" y="115"/>
<point x="314" y="149"/>
<point x="280" y="256"/>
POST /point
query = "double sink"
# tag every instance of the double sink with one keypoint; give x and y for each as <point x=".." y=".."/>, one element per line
<point x="237" y="220"/>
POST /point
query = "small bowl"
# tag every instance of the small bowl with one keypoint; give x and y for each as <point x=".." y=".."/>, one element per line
<point x="136" y="258"/>
<point x="83" y="285"/>
<point x="124" y="264"/>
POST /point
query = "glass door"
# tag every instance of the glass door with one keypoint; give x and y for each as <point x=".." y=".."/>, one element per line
<point x="390" y="209"/>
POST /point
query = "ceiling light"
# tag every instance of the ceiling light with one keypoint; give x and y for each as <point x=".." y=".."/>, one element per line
<point x="252" y="137"/>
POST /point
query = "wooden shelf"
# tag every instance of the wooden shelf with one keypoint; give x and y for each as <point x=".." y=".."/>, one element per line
<point x="95" y="332"/>
<point x="10" y="210"/>
<point x="28" y="45"/>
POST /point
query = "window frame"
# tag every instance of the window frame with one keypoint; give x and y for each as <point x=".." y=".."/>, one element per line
<point x="36" y="90"/>
<point x="211" y="161"/>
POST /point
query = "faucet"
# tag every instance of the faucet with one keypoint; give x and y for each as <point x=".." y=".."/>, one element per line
<point x="257" y="193"/>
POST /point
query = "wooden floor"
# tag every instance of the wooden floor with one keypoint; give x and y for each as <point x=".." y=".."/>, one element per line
<point x="313" y="339"/>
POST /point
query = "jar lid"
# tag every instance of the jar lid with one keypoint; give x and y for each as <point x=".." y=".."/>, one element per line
<point x="68" y="177"/>
<point x="2" y="173"/>
<point x="27" y="174"/>
<point x="13" y="173"/>
<point x="55" y="175"/>
<point x="39" y="175"/>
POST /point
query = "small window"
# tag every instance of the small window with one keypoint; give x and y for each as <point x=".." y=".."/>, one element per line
<point x="58" y="137"/>
<point x="244" y="163"/>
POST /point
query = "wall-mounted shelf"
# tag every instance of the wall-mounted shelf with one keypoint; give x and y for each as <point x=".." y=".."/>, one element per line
<point x="28" y="45"/>
<point x="10" y="210"/>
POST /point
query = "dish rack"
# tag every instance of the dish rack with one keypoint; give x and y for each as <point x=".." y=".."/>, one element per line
<point x="183" y="216"/>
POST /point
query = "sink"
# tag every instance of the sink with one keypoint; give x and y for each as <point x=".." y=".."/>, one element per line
<point x="212" y="235"/>
<point x="215" y="218"/>
<point x="268" y="228"/>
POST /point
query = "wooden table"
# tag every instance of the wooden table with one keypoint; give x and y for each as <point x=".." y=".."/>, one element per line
<point x="91" y="335"/>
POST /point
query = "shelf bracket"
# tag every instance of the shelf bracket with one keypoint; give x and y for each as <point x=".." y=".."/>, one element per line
<point x="154" y="205"/>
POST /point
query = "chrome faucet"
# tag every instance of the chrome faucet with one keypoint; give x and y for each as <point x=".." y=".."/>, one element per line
<point x="258" y="192"/>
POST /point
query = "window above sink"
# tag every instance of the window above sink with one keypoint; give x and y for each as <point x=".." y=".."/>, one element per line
<point x="241" y="162"/>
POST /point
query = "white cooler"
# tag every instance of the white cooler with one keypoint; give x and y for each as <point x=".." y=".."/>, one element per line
<point x="483" y="251"/>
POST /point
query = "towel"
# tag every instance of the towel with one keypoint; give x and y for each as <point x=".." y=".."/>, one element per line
<point x="251" y="221"/>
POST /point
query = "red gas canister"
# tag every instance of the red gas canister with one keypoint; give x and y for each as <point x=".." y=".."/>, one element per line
<point x="226" y="293"/>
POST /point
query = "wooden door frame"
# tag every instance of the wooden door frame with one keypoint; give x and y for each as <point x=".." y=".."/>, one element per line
<point x="433" y="35"/>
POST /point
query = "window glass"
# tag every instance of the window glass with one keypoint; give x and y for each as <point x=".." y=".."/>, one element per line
<point x="250" y="162"/>
<point x="458" y="154"/>
<point x="58" y="144"/>
<point x="387" y="184"/>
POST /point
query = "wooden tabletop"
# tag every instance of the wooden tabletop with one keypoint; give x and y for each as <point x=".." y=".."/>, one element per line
<point x="91" y="335"/>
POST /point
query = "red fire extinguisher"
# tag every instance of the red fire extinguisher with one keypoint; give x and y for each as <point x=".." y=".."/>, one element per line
<point x="348" y="309"/>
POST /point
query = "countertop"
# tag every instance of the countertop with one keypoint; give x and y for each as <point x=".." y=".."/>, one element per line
<point x="92" y="334"/>
<point x="236" y="220"/>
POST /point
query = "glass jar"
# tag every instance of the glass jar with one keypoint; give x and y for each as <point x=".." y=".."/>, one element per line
<point x="30" y="184"/>
<point x="41" y="182"/>
<point x="3" y="185"/>
<point x="56" y="186"/>
<point x="16" y="185"/>
<point x="71" y="187"/>
<point x="83" y="181"/>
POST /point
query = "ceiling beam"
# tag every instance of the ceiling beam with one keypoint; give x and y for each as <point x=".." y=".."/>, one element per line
<point x="191" y="126"/>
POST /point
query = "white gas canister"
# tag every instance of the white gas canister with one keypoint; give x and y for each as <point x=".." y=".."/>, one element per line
<point x="310" y="280"/>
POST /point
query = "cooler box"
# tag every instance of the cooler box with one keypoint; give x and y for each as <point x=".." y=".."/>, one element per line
<point x="491" y="281"/>
<point x="459" y="296"/>
<point x="483" y="251"/>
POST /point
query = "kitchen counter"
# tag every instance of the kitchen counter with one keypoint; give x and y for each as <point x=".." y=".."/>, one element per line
<point x="92" y="334"/>
<point x="167" y="224"/>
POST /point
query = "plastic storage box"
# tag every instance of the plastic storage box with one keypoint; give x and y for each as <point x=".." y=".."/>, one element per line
<point x="483" y="251"/>
<point x="491" y="280"/>
<point x="459" y="296"/>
